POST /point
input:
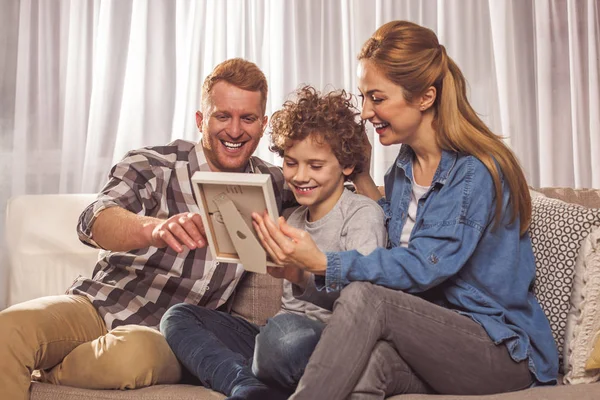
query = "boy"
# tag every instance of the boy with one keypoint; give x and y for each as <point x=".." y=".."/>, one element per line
<point x="321" y="142"/>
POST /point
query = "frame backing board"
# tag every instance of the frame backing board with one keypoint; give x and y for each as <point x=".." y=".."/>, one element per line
<point x="246" y="193"/>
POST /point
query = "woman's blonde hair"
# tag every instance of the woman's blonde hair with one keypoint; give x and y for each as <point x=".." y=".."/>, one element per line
<point x="411" y="56"/>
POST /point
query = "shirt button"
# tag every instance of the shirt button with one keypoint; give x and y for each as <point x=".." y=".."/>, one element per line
<point x="206" y="288"/>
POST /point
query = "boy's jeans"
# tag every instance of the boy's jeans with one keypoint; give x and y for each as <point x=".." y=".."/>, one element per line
<point x="218" y="348"/>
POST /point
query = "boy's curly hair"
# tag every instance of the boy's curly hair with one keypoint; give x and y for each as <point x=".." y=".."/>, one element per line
<point x="332" y="117"/>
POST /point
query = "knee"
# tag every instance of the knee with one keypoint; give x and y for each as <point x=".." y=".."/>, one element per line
<point x="284" y="345"/>
<point x="143" y="354"/>
<point x="356" y="296"/>
<point x="16" y="323"/>
<point x="181" y="315"/>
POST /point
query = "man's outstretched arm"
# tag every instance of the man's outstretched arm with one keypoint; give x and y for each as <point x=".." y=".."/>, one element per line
<point x="117" y="229"/>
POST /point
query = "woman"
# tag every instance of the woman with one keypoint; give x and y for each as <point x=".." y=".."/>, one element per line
<point x="452" y="294"/>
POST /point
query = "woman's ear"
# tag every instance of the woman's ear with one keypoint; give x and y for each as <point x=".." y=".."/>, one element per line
<point x="427" y="99"/>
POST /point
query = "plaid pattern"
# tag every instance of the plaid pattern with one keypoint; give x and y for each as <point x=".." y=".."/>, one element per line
<point x="138" y="286"/>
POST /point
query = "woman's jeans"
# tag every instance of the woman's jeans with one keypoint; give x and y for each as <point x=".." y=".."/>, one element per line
<point x="438" y="349"/>
<point x="219" y="349"/>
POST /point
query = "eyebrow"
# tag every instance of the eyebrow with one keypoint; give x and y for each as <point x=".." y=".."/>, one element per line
<point x="370" y="92"/>
<point x="312" y="160"/>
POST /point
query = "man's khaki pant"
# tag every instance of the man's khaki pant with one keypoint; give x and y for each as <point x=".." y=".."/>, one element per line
<point x="65" y="338"/>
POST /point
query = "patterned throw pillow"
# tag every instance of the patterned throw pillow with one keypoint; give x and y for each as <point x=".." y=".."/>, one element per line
<point x="557" y="231"/>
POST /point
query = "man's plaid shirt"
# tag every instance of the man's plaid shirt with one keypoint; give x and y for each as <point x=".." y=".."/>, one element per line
<point x="138" y="286"/>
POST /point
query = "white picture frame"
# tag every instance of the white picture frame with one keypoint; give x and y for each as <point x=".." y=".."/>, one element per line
<point x="226" y="201"/>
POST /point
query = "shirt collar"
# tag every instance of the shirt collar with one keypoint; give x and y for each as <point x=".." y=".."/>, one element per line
<point x="406" y="155"/>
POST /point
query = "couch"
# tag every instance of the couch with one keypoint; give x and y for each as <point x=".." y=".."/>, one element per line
<point x="45" y="257"/>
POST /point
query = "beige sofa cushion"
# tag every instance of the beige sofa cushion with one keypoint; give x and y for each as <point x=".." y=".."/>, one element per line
<point x="584" y="197"/>
<point x="257" y="297"/>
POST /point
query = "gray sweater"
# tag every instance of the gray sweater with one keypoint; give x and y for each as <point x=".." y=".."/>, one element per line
<point x="355" y="223"/>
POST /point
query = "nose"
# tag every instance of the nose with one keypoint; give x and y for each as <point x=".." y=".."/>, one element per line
<point x="301" y="174"/>
<point x="235" y="130"/>
<point x="367" y="111"/>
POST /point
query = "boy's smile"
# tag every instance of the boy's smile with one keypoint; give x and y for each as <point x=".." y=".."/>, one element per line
<point x="313" y="172"/>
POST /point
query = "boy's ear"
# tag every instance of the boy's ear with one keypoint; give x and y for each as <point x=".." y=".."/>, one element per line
<point x="348" y="170"/>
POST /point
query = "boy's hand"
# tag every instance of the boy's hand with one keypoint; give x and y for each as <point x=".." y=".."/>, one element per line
<point x="289" y="246"/>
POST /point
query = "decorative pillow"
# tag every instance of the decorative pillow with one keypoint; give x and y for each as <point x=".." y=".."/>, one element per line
<point x="557" y="231"/>
<point x="583" y="321"/>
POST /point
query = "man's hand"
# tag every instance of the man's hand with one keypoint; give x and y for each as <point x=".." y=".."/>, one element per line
<point x="185" y="229"/>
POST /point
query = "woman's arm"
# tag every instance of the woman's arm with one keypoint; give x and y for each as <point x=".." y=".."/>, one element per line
<point x="366" y="186"/>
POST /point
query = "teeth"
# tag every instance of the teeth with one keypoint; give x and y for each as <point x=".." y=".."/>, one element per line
<point x="232" y="145"/>
<point x="304" y="189"/>
<point x="380" y="125"/>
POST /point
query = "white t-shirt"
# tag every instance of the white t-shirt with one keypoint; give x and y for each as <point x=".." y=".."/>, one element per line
<point x="418" y="191"/>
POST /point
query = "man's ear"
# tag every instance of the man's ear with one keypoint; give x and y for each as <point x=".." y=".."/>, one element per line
<point x="348" y="170"/>
<point x="264" y="124"/>
<point x="428" y="98"/>
<point x="199" y="118"/>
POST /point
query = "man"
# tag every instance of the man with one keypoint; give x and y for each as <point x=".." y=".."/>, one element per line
<point x="103" y="332"/>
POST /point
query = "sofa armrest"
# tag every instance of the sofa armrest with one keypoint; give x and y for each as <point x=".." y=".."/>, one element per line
<point x="45" y="254"/>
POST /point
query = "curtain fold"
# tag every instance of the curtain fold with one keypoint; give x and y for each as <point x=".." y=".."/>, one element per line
<point x="84" y="81"/>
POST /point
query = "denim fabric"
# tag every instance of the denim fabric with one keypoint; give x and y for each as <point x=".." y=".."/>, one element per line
<point x="216" y="348"/>
<point x="457" y="257"/>
<point x="283" y="348"/>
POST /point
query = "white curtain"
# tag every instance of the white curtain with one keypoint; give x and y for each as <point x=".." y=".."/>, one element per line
<point x="83" y="81"/>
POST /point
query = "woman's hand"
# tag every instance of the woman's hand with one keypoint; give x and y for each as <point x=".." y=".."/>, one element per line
<point x="289" y="246"/>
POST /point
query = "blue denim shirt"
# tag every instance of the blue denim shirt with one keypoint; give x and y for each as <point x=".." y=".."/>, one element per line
<point x="456" y="259"/>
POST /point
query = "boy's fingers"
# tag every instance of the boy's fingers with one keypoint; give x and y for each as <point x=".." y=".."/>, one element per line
<point x="263" y="240"/>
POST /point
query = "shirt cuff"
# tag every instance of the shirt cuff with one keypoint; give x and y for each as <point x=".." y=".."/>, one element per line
<point x="333" y="274"/>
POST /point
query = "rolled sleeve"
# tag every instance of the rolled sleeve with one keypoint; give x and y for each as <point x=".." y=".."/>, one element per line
<point x="88" y="218"/>
<point x="133" y="185"/>
<point x="334" y="280"/>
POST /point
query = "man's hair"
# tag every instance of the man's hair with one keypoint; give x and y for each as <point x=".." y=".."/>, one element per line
<point x="240" y="73"/>
<point x="331" y="118"/>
